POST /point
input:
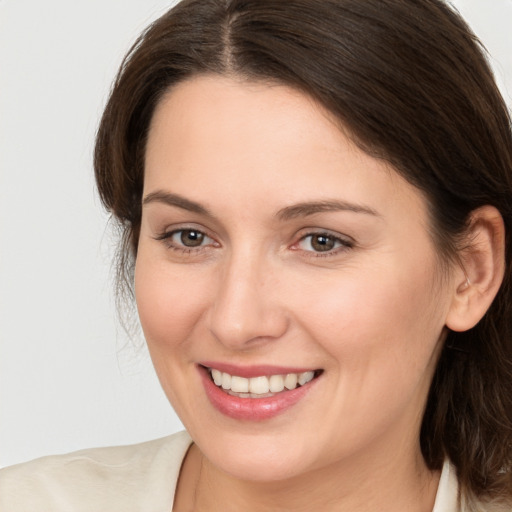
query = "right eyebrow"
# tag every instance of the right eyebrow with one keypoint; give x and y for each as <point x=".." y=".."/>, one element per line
<point x="170" y="199"/>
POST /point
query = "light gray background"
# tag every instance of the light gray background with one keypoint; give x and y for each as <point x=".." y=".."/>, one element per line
<point x="69" y="378"/>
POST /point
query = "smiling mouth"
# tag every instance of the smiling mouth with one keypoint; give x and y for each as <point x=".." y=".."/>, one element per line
<point x="263" y="386"/>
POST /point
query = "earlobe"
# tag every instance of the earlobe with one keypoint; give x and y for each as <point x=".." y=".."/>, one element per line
<point x="479" y="277"/>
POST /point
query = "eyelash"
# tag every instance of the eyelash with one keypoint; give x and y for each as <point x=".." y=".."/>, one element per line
<point x="343" y="244"/>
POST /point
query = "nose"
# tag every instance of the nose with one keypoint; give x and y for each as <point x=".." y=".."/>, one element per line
<point x="247" y="307"/>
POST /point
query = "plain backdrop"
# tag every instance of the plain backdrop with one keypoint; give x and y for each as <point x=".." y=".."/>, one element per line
<point x="69" y="377"/>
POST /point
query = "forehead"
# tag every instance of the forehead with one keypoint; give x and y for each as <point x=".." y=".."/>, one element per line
<point x="257" y="141"/>
<point x="221" y="110"/>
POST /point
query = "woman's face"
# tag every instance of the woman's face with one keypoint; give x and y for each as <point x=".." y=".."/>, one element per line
<point x="271" y="246"/>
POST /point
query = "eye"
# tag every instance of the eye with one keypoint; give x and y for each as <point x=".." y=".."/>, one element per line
<point x="186" y="239"/>
<point x="322" y="243"/>
<point x="189" y="238"/>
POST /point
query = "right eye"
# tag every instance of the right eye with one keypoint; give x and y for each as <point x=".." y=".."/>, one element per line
<point x="186" y="239"/>
<point x="189" y="238"/>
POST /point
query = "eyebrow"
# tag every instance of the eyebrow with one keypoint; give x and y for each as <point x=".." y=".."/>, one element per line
<point x="176" y="200"/>
<point x="304" y="209"/>
<point x="311" y="208"/>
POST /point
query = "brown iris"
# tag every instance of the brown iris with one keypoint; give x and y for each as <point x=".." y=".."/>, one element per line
<point x="191" y="238"/>
<point x="322" y="243"/>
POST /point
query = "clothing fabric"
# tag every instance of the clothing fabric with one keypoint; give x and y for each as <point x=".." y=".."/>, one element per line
<point x="136" y="478"/>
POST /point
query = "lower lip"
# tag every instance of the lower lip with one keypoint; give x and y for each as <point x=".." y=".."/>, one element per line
<point x="251" y="409"/>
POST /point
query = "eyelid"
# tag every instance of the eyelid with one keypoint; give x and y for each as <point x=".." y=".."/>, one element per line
<point x="169" y="229"/>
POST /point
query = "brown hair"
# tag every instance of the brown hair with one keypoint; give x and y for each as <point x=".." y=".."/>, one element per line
<point x="411" y="83"/>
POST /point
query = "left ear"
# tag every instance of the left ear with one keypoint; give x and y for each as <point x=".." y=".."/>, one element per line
<point x="479" y="277"/>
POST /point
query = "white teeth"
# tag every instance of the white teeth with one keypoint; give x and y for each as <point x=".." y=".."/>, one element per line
<point x="226" y="381"/>
<point x="259" y="386"/>
<point x="305" y="377"/>
<point x="276" y="383"/>
<point x="239" y="384"/>
<point x="217" y="376"/>
<point x="290" y="381"/>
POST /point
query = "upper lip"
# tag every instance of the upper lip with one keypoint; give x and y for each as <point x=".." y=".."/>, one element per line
<point x="254" y="370"/>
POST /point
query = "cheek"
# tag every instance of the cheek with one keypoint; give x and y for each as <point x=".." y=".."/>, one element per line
<point x="378" y="323"/>
<point x="381" y="333"/>
<point x="169" y="304"/>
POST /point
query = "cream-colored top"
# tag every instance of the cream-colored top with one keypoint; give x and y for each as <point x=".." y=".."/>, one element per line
<point x="137" y="478"/>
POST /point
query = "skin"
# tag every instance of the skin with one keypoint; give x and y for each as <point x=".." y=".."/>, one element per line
<point x="371" y="313"/>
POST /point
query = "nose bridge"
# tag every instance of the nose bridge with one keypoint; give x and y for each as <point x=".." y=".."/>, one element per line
<point x="245" y="308"/>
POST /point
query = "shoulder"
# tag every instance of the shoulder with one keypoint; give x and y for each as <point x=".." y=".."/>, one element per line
<point x="450" y="498"/>
<point x="135" y="477"/>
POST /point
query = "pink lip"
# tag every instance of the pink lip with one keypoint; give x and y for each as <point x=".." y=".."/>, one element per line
<point x="253" y="371"/>
<point x="252" y="409"/>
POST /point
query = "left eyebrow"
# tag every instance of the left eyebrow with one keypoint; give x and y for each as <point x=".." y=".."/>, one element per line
<point x="310" y="208"/>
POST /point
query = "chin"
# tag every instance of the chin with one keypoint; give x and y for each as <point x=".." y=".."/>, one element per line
<point x="256" y="469"/>
<point x="256" y="457"/>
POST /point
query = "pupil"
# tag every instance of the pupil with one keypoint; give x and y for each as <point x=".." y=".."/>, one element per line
<point x="322" y="243"/>
<point x="191" y="238"/>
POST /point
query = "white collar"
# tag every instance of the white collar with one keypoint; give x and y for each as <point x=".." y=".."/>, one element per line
<point x="447" y="497"/>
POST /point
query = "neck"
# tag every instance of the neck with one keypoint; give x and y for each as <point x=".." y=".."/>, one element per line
<point x="399" y="483"/>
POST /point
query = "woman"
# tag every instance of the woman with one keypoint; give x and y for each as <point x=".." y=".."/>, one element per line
<point x="316" y="203"/>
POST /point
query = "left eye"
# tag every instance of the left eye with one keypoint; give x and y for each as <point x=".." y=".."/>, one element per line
<point x="321" y="242"/>
<point x="189" y="238"/>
